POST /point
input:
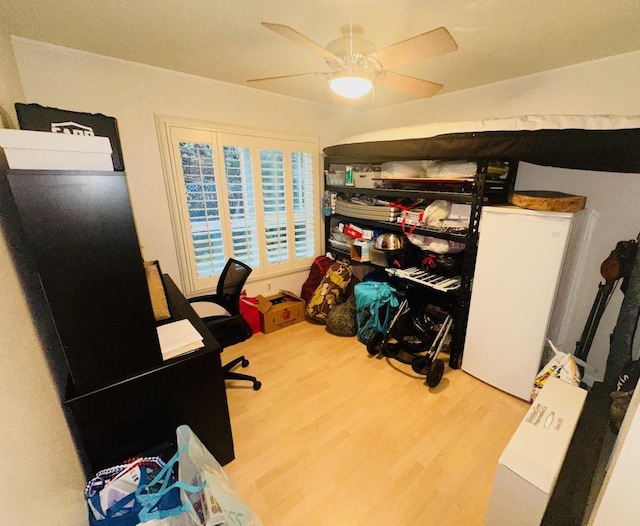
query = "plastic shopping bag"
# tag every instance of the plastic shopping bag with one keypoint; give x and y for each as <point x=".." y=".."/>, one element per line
<point x="562" y="366"/>
<point x="217" y="503"/>
<point x="126" y="494"/>
<point x="144" y="491"/>
<point x="164" y="501"/>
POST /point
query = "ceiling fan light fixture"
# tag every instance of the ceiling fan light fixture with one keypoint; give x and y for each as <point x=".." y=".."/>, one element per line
<point x="351" y="87"/>
<point x="355" y="65"/>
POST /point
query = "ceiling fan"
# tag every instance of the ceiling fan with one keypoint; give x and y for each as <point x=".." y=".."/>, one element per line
<point x="356" y="66"/>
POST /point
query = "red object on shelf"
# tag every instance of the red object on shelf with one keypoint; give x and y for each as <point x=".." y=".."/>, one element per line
<point x="352" y="232"/>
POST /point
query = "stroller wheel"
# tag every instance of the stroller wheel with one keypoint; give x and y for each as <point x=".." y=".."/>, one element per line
<point x="420" y="365"/>
<point x="391" y="347"/>
<point x="436" y="370"/>
<point x="375" y="343"/>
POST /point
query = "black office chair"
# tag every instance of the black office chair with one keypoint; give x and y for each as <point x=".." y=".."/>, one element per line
<point x="221" y="314"/>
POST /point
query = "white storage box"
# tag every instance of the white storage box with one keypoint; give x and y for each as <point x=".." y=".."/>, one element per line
<point x="529" y="466"/>
<point x="451" y="169"/>
<point x="364" y="178"/>
<point x="35" y="150"/>
<point x="334" y="178"/>
<point x="405" y="169"/>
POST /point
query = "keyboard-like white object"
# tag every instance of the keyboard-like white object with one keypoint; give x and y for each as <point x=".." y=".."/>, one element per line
<point x="429" y="279"/>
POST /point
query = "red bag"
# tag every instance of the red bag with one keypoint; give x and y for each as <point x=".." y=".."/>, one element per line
<point x="249" y="311"/>
<point x="318" y="270"/>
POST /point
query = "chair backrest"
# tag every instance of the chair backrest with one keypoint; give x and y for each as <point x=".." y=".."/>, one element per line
<point x="231" y="283"/>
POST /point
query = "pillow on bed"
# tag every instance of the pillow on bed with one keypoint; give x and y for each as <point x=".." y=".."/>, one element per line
<point x="156" y="291"/>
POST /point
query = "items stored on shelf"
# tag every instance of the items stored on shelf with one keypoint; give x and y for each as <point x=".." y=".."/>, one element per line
<point x="429" y="169"/>
<point x="439" y="215"/>
<point x="362" y="211"/>
<point x="433" y="280"/>
<point x="362" y="176"/>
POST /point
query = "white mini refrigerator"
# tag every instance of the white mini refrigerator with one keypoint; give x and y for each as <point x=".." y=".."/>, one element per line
<point x="520" y="256"/>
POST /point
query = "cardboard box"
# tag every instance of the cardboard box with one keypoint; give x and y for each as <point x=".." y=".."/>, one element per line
<point x="360" y="250"/>
<point x="529" y="466"/>
<point x="280" y="311"/>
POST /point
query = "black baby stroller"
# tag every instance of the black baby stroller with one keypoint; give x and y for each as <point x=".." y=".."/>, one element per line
<point x="415" y="337"/>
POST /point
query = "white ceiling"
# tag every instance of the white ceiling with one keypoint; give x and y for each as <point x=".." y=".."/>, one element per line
<point x="223" y="39"/>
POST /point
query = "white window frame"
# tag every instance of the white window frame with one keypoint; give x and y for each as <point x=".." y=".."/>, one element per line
<point x="219" y="135"/>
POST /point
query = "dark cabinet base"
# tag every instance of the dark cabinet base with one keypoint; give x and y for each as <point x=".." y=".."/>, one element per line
<point x="138" y="414"/>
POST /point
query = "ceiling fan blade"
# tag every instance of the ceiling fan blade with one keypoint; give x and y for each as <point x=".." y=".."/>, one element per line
<point x="430" y="44"/>
<point x="299" y="38"/>
<point x="283" y="77"/>
<point x="411" y="85"/>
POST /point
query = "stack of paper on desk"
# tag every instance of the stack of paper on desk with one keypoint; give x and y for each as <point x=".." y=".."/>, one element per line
<point x="178" y="338"/>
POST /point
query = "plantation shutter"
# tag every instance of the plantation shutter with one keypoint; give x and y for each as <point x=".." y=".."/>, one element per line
<point x="274" y="199"/>
<point x="303" y="203"/>
<point x="241" y="201"/>
<point x="237" y="194"/>
<point x="199" y="190"/>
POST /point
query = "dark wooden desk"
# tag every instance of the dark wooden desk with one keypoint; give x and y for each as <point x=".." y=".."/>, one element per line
<point x="141" y="412"/>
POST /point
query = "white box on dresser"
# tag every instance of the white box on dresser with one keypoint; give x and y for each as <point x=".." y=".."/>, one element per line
<point x="36" y="150"/>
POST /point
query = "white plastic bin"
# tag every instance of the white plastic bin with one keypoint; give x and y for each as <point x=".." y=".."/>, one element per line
<point x="35" y="150"/>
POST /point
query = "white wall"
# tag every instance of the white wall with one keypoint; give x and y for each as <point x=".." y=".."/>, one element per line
<point x="42" y="480"/>
<point x="606" y="86"/>
<point x="10" y="86"/>
<point x="133" y="93"/>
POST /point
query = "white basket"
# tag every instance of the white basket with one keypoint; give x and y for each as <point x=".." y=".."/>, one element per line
<point x="405" y="169"/>
<point x="334" y="178"/>
<point x="365" y="179"/>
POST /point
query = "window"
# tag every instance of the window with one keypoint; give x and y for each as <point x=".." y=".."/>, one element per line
<point x="243" y="194"/>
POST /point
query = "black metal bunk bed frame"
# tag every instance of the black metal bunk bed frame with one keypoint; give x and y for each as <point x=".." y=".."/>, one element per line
<point x="600" y="150"/>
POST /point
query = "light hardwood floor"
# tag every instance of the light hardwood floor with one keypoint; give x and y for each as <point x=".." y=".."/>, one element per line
<point x="335" y="437"/>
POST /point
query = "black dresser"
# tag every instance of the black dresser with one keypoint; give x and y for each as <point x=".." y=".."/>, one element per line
<point x="77" y="230"/>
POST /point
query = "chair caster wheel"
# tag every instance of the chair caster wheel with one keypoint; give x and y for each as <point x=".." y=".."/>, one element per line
<point x="257" y="385"/>
<point x="244" y="363"/>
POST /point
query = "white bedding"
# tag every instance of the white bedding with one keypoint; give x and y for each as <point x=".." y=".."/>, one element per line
<point x="522" y="123"/>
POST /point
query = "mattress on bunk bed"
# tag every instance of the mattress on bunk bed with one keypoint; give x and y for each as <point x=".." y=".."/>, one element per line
<point x="589" y="142"/>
